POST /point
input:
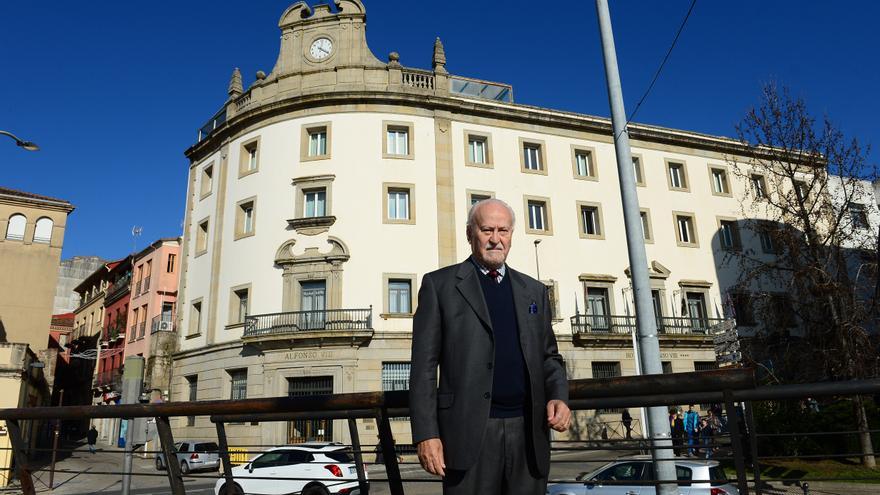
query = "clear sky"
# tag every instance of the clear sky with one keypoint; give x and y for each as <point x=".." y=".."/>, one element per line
<point x="114" y="92"/>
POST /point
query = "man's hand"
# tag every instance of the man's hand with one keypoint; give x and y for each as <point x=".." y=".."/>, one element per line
<point x="558" y="417"/>
<point x="431" y="456"/>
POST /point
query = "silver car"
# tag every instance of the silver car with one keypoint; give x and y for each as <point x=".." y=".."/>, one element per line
<point x="693" y="479"/>
<point x="193" y="455"/>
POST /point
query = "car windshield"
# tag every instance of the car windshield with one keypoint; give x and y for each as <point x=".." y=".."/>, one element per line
<point x="207" y="447"/>
<point x="717" y="475"/>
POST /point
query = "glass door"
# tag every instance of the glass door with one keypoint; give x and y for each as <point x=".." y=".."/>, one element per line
<point x="312" y="304"/>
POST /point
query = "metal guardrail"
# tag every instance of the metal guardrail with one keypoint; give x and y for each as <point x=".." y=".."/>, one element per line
<point x="736" y="444"/>
<point x="669" y="325"/>
<point x="302" y="321"/>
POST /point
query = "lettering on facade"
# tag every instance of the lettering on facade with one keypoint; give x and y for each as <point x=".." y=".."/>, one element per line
<point x="306" y="355"/>
<point x="666" y="355"/>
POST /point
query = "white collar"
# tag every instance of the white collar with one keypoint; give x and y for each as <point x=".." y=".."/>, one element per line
<point x="485" y="271"/>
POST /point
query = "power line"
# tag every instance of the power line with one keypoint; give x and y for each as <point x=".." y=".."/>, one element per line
<point x="660" y="68"/>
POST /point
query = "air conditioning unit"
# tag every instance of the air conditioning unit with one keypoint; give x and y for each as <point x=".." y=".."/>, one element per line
<point x="164" y="326"/>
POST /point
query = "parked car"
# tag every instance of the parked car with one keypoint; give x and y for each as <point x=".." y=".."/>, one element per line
<point x="693" y="479"/>
<point x="193" y="455"/>
<point x="308" y="468"/>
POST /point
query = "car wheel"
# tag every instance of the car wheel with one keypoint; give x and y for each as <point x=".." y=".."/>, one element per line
<point x="184" y="468"/>
<point x="225" y="489"/>
<point x="159" y="464"/>
<point x="315" y="490"/>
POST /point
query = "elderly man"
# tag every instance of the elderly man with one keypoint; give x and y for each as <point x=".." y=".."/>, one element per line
<point x="502" y="384"/>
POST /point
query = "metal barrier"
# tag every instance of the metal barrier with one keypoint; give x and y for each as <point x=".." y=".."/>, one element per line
<point x="737" y="445"/>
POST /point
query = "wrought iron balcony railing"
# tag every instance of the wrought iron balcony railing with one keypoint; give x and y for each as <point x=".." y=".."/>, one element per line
<point x="666" y="325"/>
<point x="308" y="321"/>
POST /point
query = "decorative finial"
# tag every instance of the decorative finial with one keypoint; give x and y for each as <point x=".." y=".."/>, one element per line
<point x="235" y="87"/>
<point x="439" y="61"/>
<point x="261" y="75"/>
<point x="394" y="60"/>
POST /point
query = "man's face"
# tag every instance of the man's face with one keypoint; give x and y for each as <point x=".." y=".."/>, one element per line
<point x="491" y="234"/>
<point x="690" y="408"/>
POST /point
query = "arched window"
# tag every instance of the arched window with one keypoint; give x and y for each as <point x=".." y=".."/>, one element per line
<point x="15" y="229"/>
<point x="43" y="232"/>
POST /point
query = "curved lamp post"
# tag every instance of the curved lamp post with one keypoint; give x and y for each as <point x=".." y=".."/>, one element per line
<point x="28" y="145"/>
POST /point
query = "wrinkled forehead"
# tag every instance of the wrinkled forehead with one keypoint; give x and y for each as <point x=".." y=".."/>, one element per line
<point x="492" y="216"/>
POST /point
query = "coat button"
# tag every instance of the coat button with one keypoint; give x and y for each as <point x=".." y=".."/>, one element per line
<point x="489" y="366"/>
<point x="487" y="395"/>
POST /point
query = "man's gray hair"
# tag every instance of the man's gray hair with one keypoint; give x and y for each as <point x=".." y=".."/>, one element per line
<point x="479" y="204"/>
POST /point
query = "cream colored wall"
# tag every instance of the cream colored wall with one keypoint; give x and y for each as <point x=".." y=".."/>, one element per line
<point x="28" y="275"/>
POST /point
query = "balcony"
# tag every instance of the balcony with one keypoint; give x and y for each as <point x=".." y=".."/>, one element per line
<point x="111" y="379"/>
<point x="590" y="330"/>
<point x="117" y="290"/>
<point x="321" y="327"/>
<point x="162" y="323"/>
<point x="146" y="286"/>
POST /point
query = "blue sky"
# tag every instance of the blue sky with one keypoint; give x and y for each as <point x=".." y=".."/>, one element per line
<point x="114" y="92"/>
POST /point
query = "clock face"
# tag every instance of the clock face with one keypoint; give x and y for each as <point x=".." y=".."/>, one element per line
<point x="321" y="48"/>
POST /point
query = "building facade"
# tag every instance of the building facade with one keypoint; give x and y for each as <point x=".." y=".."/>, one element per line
<point x="70" y="273"/>
<point x="320" y="195"/>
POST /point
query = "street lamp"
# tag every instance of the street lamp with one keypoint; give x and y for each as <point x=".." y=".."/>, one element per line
<point x="28" y="145"/>
<point x="537" y="265"/>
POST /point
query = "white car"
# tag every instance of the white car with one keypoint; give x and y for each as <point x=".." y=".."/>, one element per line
<point x="309" y="468"/>
<point x="693" y="479"/>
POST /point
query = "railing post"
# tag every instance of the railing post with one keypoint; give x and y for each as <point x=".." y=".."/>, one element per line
<point x="167" y="438"/>
<point x="389" y="454"/>
<point x="20" y="457"/>
<point x="224" y="455"/>
<point x="753" y="447"/>
<point x="358" y="456"/>
<point x="736" y="443"/>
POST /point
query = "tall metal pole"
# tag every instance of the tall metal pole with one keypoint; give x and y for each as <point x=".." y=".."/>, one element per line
<point x="537" y="264"/>
<point x="658" y="430"/>
<point x="55" y="442"/>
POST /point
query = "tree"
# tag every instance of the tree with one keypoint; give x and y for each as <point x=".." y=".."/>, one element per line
<point x="811" y="269"/>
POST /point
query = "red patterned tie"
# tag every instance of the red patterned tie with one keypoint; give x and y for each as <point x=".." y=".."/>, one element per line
<point x="493" y="275"/>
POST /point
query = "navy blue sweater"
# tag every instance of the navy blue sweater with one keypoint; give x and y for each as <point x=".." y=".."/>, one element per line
<point x="509" y="373"/>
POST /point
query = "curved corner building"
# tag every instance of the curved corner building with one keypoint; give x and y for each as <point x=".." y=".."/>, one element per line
<point x="320" y="195"/>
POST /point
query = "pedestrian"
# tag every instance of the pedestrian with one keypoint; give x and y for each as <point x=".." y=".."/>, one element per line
<point x="706" y="437"/>
<point x="502" y="382"/>
<point x="92" y="437"/>
<point x="691" y="425"/>
<point x="678" y="434"/>
<point x="627" y="423"/>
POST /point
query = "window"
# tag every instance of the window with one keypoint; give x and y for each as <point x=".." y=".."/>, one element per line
<point x="192" y="383"/>
<point x="249" y="157"/>
<point x="857" y="216"/>
<point x="539" y="216"/>
<point x="399" y="296"/>
<point x="766" y="232"/>
<point x="719" y="181"/>
<point x="315" y="142"/>
<point x="637" y="170"/>
<point x="705" y="365"/>
<point x="240" y="305"/>
<point x="195" y="318"/>
<point x="202" y="237"/>
<point x="134" y="318"/>
<point x="245" y="218"/>
<point x="598" y="309"/>
<point x="606" y="370"/>
<point x="315" y="202"/>
<point x="677" y="176"/>
<point x="43" y="231"/>
<point x="583" y="163"/>
<point x="395" y="376"/>
<point x="15" y="229"/>
<point x="802" y="191"/>
<point x="398" y="203"/>
<point x="478" y="149"/>
<point x="170" y="266"/>
<point x="759" y="186"/>
<point x="238" y="379"/>
<point x="207" y="180"/>
<point x="532" y="160"/>
<point x="475" y="197"/>
<point x="743" y="309"/>
<point x="728" y="234"/>
<point x="667" y="367"/>
<point x="397" y="140"/>
<point x="685" y="229"/>
<point x="629" y="471"/>
<point x="647" y="233"/>
<point x="590" y="220"/>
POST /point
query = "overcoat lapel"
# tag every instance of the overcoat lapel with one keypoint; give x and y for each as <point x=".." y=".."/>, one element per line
<point x="469" y="287"/>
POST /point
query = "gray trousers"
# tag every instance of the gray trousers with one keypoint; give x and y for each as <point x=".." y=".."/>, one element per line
<point x="503" y="467"/>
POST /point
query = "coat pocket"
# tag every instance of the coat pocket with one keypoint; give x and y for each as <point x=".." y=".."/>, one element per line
<point x="445" y="400"/>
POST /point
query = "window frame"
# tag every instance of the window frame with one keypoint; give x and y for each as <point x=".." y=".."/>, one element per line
<point x="592" y="165"/>
<point x="235" y="317"/>
<point x="548" y="217"/>
<point x="852" y="209"/>
<point x="194" y="326"/>
<point x="42" y="240"/>
<point x="192" y="384"/>
<point x="244" y="156"/>
<point x="409" y="127"/>
<point x="600" y="223"/>
<point x="695" y="242"/>
<point x="233" y="374"/>
<point x="305" y="141"/>
<point x="202" y="236"/>
<point x="641" y="166"/>
<point x="763" y="180"/>
<point x="24" y="228"/>
<point x="241" y="218"/>
<point x="487" y="142"/>
<point x="542" y="156"/>
<point x="737" y="235"/>
<point x="387" y="188"/>
<point x="686" y="183"/>
<point x="727" y="193"/>
<point x="387" y="279"/>
<point x="470" y="193"/>
<point x="207" y="174"/>
<point x="312" y="225"/>
<point x="649" y="233"/>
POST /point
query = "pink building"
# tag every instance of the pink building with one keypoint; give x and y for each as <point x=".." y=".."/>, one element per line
<point x="151" y="333"/>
